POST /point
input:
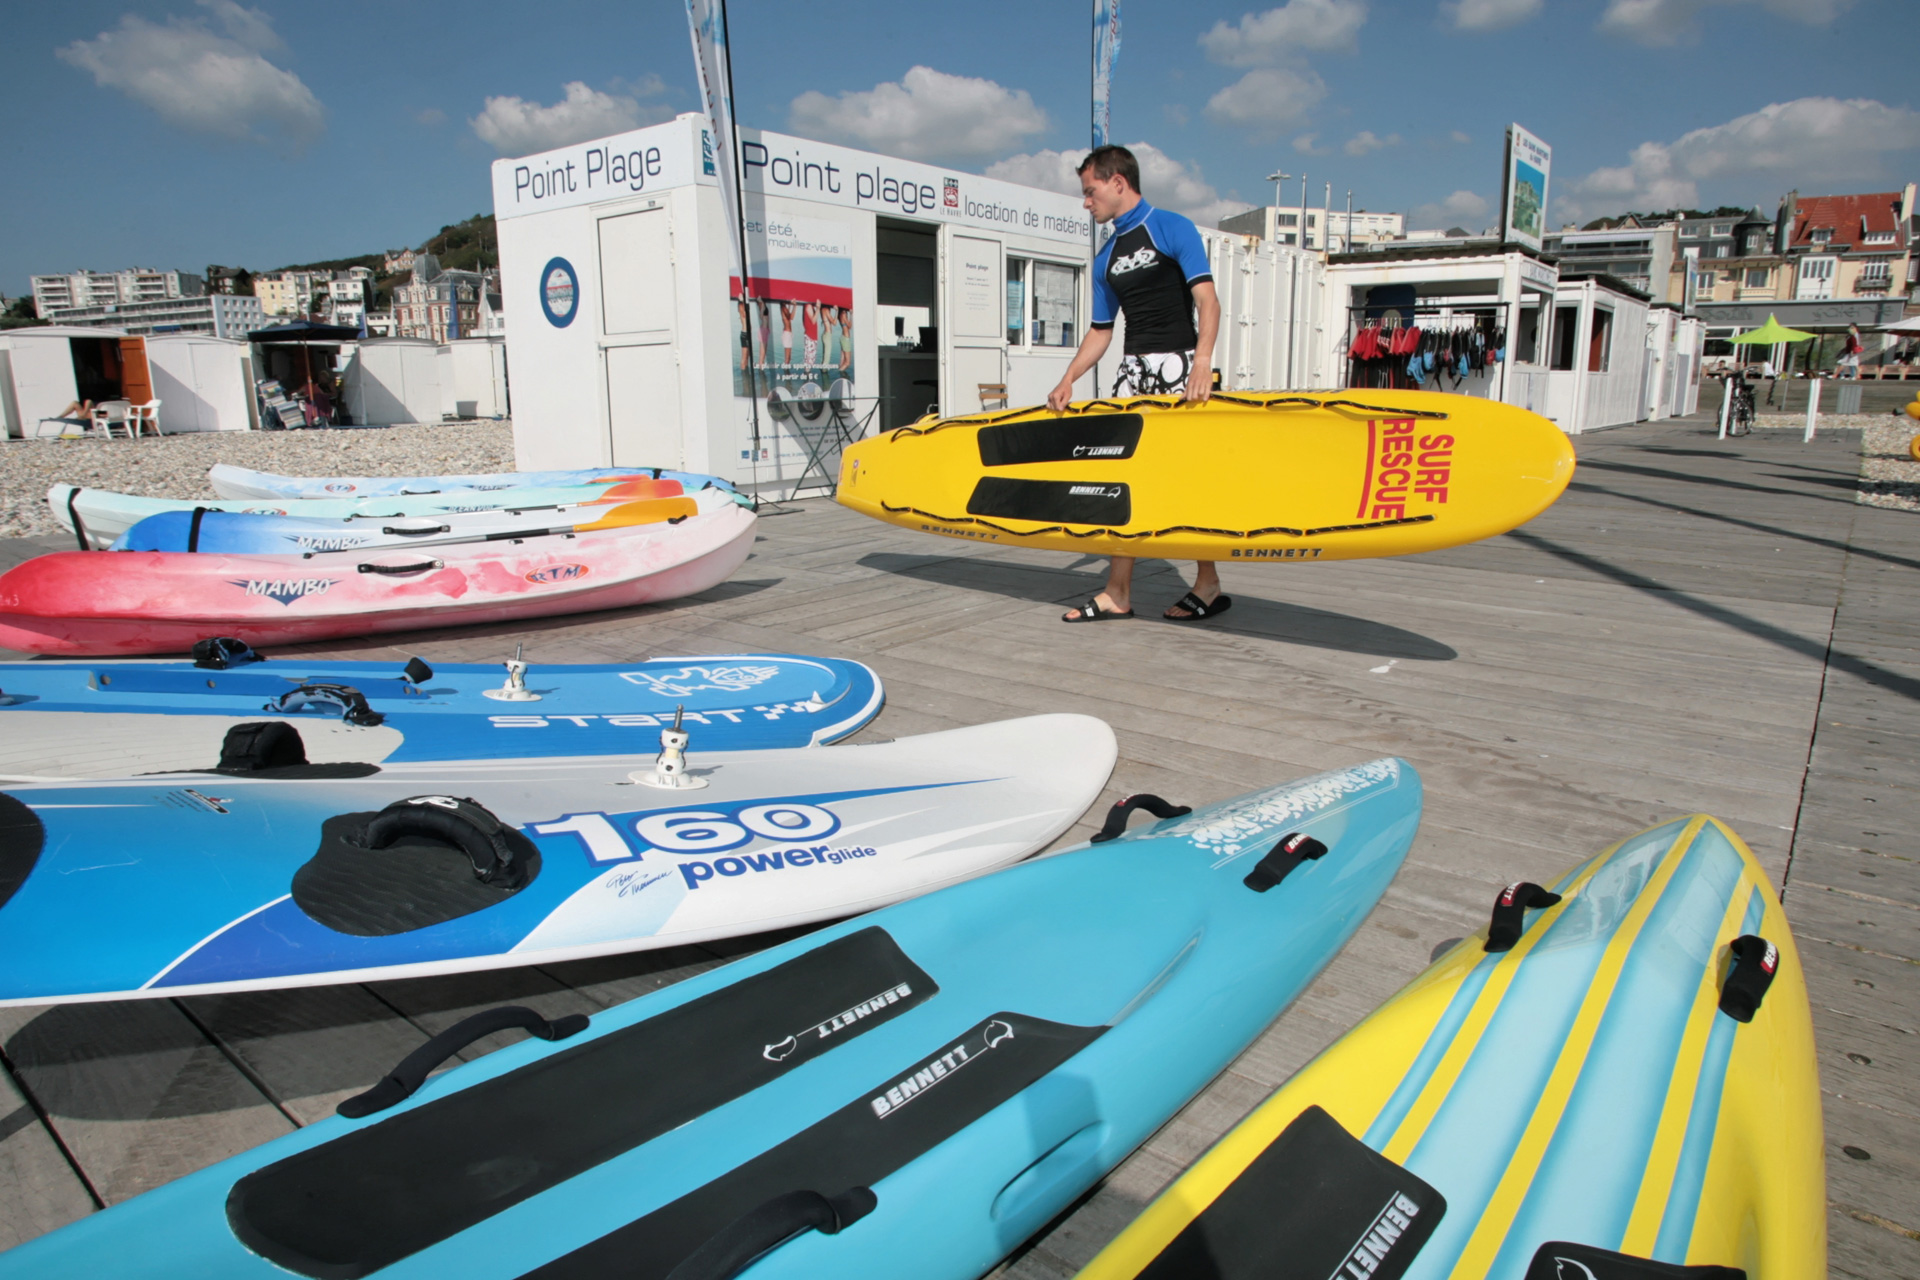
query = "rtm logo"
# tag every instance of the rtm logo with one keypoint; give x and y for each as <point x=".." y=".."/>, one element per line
<point x="286" y="592"/>
<point x="556" y="573"/>
<point x="340" y="486"/>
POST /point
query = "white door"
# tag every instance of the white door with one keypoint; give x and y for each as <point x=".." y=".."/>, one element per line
<point x="973" y="319"/>
<point x="637" y="317"/>
<point x="1816" y="278"/>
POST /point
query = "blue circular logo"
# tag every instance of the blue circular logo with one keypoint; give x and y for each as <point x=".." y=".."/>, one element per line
<point x="559" y="292"/>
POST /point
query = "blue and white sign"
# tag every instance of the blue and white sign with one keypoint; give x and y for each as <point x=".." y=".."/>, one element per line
<point x="559" y="292"/>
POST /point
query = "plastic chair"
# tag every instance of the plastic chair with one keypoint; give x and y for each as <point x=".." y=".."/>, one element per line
<point x="143" y="417"/>
<point x="993" y="395"/>
<point x="109" y="414"/>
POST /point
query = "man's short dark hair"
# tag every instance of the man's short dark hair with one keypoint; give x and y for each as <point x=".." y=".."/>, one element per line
<point x="1109" y="160"/>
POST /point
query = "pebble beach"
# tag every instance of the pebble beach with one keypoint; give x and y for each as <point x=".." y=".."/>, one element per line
<point x="176" y="466"/>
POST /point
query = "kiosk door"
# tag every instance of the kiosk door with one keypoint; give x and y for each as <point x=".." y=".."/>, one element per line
<point x="637" y="353"/>
<point x="973" y="320"/>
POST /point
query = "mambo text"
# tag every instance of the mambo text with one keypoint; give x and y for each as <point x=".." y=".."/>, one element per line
<point x="1398" y="464"/>
<point x="602" y="167"/>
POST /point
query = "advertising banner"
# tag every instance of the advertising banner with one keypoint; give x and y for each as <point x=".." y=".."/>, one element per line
<point x="707" y="21"/>
<point x="1523" y="205"/>
<point x="1106" y="48"/>
<point x="794" y="328"/>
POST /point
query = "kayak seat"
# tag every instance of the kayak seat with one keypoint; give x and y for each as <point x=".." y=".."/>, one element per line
<point x="1604" y="1264"/>
<point x="419" y="1175"/>
<point x="380" y="874"/>
<point x="1098" y="437"/>
<point x="22" y="837"/>
<point x="1314" y="1200"/>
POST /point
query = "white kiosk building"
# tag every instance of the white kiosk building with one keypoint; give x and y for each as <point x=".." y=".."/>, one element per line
<point x="880" y="288"/>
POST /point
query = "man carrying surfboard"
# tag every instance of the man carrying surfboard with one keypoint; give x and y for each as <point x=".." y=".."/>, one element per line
<point x="1154" y="268"/>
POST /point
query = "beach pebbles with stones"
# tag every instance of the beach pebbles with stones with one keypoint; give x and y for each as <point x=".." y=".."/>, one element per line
<point x="176" y="466"/>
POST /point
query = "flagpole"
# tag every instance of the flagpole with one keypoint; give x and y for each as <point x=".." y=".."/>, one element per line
<point x="746" y="273"/>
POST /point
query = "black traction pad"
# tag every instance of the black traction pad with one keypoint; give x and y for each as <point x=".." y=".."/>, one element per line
<point x="1051" y="501"/>
<point x="22" y="837"/>
<point x="383" y="1192"/>
<point x="1584" y="1262"/>
<point x="376" y="893"/>
<point x="889" y="1125"/>
<point x="1100" y="437"/>
<point x="1317" y="1203"/>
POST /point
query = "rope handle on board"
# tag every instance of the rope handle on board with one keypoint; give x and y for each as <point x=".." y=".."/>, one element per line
<point x="1510" y="912"/>
<point x="1292" y="849"/>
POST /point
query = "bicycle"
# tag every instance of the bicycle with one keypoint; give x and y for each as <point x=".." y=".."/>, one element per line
<point x="1740" y="421"/>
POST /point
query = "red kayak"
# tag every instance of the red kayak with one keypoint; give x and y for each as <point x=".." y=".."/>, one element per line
<point x="149" y="602"/>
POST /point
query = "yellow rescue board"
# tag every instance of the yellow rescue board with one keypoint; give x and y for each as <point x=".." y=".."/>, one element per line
<point x="1581" y="1104"/>
<point x="1245" y="476"/>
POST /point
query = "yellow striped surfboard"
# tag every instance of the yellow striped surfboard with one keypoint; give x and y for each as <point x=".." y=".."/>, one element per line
<point x="1579" y="1107"/>
<point x="1287" y="477"/>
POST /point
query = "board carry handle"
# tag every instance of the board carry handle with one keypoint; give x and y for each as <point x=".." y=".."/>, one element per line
<point x="416" y="533"/>
<point x="1123" y="809"/>
<point x="401" y="1083"/>
<point x="1755" y="960"/>
<point x="734" y="1247"/>
<point x="1510" y="912"/>
<point x="391" y="569"/>
<point x="1289" y="852"/>
<point x="351" y="702"/>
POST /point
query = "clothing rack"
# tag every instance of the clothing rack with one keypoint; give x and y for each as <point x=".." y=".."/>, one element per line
<point x="1434" y="347"/>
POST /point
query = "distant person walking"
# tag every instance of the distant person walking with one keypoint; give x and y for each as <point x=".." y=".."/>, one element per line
<point x="1154" y="268"/>
<point x="1772" y="376"/>
<point x="1851" y="352"/>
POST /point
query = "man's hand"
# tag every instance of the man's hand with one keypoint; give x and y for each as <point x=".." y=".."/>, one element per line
<point x="1058" y="397"/>
<point x="1199" y="386"/>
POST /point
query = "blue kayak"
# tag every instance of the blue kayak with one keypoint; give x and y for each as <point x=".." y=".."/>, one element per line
<point x="240" y="482"/>
<point x="388" y="711"/>
<point x="910" y="1093"/>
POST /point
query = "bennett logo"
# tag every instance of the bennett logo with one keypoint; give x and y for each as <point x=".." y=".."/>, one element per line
<point x="839" y="1021"/>
<point x="1098" y="450"/>
<point x="1278" y="553"/>
<point x="1132" y="262"/>
<point x="1377" y="1241"/>
<point x="557" y="573"/>
<point x="939" y="1068"/>
<point x="952" y="193"/>
<point x="1771" y="960"/>
<point x="287" y="591"/>
<point x="1096" y="490"/>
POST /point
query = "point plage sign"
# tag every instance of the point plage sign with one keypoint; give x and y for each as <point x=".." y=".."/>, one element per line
<point x="664" y="156"/>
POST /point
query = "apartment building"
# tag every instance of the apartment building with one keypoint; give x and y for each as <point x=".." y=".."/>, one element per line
<point x="53" y="294"/>
<point x="218" y="315"/>
<point x="1850" y="246"/>
<point x="1639" y="253"/>
<point x="1290" y="224"/>
<point x="441" y="305"/>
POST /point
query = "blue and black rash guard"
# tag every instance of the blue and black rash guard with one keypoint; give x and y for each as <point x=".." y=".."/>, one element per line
<point x="1148" y="268"/>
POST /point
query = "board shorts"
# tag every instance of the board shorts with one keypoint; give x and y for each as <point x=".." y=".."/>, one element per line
<point x="813" y="351"/>
<point x="1159" y="373"/>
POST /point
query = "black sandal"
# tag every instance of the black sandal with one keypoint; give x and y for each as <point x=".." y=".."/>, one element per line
<point x="1092" y="612"/>
<point x="1198" y="609"/>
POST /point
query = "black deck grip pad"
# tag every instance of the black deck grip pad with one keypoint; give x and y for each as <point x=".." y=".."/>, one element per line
<point x="1100" y="437"/>
<point x="886" y="1127"/>
<point x="1317" y="1203"/>
<point x="417" y="882"/>
<point x="1051" y="501"/>
<point x="22" y="837"/>
<point x="1755" y="960"/>
<point x="1602" y="1264"/>
<point x="380" y="1193"/>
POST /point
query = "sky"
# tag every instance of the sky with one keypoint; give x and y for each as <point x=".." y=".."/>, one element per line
<point x="177" y="133"/>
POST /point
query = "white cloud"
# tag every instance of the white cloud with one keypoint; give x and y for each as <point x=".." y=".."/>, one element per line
<point x="200" y="80"/>
<point x="1267" y="100"/>
<point x="1278" y="34"/>
<point x="1463" y="209"/>
<point x="925" y="115"/>
<point x="1490" y="15"/>
<point x="1806" y="140"/>
<point x="1458" y="136"/>
<point x="1667" y="22"/>
<point x="1304" y="144"/>
<point x="1163" y="180"/>
<point x="431" y="117"/>
<point x="513" y="126"/>
<point x="1366" y="140"/>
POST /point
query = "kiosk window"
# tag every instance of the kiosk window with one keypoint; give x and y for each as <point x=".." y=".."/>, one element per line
<point x="1566" y="331"/>
<point x="1056" y="293"/>
<point x="1526" y="335"/>
<point x="1600" y="345"/>
<point x="1016" y="302"/>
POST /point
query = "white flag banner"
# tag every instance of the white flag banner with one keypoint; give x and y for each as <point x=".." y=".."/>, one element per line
<point x="1106" y="47"/>
<point x="707" y="20"/>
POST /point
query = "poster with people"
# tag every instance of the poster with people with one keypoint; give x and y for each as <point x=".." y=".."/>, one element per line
<point x="793" y="326"/>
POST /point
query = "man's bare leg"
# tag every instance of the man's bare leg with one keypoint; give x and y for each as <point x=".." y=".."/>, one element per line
<point x="1117" y="596"/>
<point x="1206" y="585"/>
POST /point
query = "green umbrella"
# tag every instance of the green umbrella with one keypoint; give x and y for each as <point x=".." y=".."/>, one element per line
<point x="1769" y="333"/>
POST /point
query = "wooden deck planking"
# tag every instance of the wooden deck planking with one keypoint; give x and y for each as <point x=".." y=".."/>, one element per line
<point x="1654" y="643"/>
